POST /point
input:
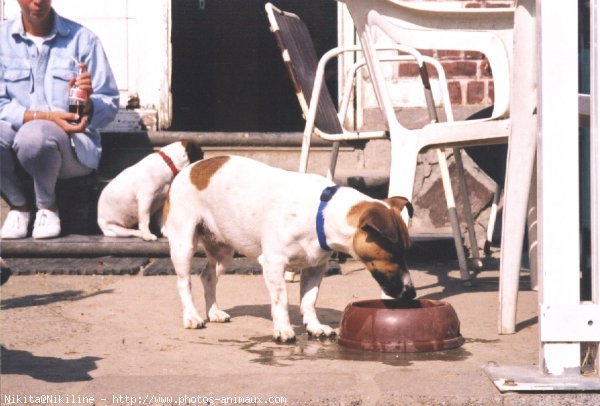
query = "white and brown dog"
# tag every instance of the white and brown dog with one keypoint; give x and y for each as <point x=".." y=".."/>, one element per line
<point x="139" y="191"/>
<point x="284" y="219"/>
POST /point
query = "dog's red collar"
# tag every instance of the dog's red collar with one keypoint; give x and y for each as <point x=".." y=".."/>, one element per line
<point x="169" y="162"/>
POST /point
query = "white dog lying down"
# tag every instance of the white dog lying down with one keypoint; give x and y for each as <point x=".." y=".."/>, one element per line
<point x="140" y="190"/>
<point x="285" y="219"/>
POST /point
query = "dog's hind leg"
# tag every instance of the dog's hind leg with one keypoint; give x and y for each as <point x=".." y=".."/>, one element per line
<point x="273" y="274"/>
<point x="218" y="259"/>
<point x="115" y="230"/>
<point x="183" y="241"/>
<point x="310" y="280"/>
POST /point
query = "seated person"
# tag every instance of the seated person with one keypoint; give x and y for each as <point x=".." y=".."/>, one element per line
<point x="42" y="57"/>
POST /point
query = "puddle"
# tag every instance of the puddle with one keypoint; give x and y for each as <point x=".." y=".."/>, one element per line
<point x="268" y="352"/>
<point x="481" y="341"/>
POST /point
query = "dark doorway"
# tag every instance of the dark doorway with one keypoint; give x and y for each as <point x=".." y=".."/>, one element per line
<point x="228" y="74"/>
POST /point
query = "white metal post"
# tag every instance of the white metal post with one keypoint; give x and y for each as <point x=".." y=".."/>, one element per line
<point x="565" y="321"/>
<point x="558" y="193"/>
<point x="595" y="154"/>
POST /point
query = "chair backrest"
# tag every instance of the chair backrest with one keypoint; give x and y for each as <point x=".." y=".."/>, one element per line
<point x="489" y="31"/>
<point x="300" y="57"/>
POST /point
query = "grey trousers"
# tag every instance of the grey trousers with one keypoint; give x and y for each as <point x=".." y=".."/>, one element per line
<point x="43" y="149"/>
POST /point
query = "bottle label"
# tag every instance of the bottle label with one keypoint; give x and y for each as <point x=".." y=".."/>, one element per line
<point x="78" y="94"/>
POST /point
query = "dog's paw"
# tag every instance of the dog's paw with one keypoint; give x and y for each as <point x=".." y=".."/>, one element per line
<point x="218" y="316"/>
<point x="284" y="335"/>
<point x="192" y="321"/>
<point x="318" y="330"/>
<point x="149" y="237"/>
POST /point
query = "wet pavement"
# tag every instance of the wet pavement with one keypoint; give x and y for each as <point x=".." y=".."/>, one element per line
<point x="109" y="339"/>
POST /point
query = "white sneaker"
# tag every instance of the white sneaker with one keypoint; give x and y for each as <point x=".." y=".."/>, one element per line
<point x="47" y="224"/>
<point x="15" y="225"/>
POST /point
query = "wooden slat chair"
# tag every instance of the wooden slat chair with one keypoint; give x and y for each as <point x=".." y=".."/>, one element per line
<point x="306" y="72"/>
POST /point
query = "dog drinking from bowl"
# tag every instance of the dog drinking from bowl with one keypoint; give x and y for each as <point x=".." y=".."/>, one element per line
<point x="284" y="219"/>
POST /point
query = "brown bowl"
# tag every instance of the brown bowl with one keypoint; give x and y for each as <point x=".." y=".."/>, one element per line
<point x="400" y="326"/>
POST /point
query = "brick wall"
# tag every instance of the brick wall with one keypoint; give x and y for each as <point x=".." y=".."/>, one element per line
<point x="470" y="81"/>
<point x="468" y="75"/>
<point x="469" y="78"/>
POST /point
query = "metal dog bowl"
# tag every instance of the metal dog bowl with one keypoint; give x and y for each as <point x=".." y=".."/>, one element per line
<point x="400" y="326"/>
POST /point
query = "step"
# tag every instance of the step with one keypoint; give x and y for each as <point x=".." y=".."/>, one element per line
<point x="121" y="150"/>
<point x="426" y="246"/>
<point x="109" y="265"/>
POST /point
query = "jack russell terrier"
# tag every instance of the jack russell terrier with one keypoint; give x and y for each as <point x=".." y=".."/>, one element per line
<point x="284" y="219"/>
<point x="138" y="192"/>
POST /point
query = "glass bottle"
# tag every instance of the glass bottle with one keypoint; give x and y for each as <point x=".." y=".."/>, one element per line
<point x="77" y="99"/>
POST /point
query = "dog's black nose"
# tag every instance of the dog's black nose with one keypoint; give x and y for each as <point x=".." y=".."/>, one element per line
<point x="409" y="293"/>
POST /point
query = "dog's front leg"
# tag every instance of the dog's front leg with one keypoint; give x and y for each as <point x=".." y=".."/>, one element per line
<point x="144" y="208"/>
<point x="310" y="280"/>
<point x="273" y="274"/>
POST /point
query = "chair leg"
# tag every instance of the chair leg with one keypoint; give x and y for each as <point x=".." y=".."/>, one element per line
<point x="402" y="177"/>
<point x="532" y="232"/>
<point x="464" y="190"/>
<point x="452" y="212"/>
<point x="335" y="149"/>
<point x="460" y="251"/>
<point x="487" y="248"/>
<point x="516" y="195"/>
<point x="304" y="152"/>
<point x="403" y="167"/>
<point x="519" y="164"/>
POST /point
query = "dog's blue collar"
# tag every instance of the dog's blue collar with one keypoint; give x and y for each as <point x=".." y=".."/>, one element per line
<point x="326" y="196"/>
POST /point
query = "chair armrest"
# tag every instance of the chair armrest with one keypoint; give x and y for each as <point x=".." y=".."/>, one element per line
<point x="354" y="135"/>
<point x="464" y="133"/>
<point x="358" y="65"/>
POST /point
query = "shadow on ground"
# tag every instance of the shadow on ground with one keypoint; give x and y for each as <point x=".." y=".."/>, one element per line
<point x="453" y="285"/>
<point x="49" y="369"/>
<point x="481" y="281"/>
<point x="49" y="298"/>
<point x="330" y="317"/>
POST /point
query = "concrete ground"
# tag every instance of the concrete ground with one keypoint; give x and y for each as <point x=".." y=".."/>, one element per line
<point x="120" y="340"/>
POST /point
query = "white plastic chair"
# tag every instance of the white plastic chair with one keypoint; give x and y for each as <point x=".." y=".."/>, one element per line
<point x="513" y="64"/>
<point x="307" y="75"/>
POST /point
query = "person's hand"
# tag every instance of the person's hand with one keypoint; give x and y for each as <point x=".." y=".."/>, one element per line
<point x="62" y="118"/>
<point x="84" y="82"/>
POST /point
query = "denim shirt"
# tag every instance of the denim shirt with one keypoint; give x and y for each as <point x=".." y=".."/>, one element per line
<point x="39" y="80"/>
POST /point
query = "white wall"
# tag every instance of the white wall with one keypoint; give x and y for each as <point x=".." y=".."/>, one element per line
<point x="136" y="37"/>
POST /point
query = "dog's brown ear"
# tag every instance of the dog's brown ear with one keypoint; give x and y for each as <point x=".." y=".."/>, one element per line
<point x="379" y="219"/>
<point x="399" y="203"/>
